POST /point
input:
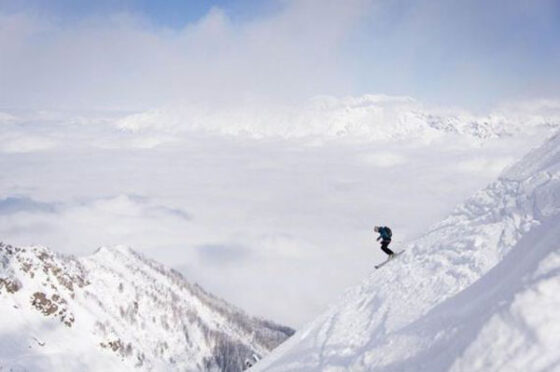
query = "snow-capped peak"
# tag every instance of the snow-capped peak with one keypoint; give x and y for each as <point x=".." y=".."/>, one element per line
<point x="367" y="118"/>
<point x="113" y="250"/>
<point x="125" y="309"/>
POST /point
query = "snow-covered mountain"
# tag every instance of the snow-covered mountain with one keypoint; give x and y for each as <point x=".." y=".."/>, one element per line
<point x="368" y="117"/>
<point x="116" y="310"/>
<point x="479" y="292"/>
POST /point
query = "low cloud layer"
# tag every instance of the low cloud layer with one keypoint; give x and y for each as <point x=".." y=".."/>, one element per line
<point x="242" y="217"/>
<point x="12" y="205"/>
<point x="78" y="227"/>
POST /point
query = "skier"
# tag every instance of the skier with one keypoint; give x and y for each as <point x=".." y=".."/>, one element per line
<point x="385" y="235"/>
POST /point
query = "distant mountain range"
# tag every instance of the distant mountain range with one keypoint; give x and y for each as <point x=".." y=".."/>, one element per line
<point x="368" y="117"/>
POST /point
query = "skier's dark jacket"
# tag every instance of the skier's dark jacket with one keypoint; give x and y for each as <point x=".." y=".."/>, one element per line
<point x="385" y="233"/>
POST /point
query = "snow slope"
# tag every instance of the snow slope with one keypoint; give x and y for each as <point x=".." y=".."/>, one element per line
<point x="479" y="292"/>
<point x="116" y="310"/>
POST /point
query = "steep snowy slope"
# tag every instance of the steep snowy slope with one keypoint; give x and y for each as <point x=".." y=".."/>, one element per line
<point x="115" y="310"/>
<point x="479" y="292"/>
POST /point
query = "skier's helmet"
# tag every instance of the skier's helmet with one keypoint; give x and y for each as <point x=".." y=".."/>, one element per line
<point x="376" y="228"/>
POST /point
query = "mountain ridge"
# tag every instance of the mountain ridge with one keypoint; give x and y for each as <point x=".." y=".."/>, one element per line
<point x="132" y="311"/>
<point x="365" y="118"/>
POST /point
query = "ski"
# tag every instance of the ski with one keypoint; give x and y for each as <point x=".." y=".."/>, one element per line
<point x="389" y="259"/>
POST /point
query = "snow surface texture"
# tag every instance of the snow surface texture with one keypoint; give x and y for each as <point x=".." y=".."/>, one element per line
<point x="364" y="118"/>
<point x="479" y="292"/>
<point x="116" y="310"/>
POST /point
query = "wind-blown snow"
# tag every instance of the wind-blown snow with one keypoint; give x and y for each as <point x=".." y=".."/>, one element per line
<point x="479" y="292"/>
<point x="116" y="310"/>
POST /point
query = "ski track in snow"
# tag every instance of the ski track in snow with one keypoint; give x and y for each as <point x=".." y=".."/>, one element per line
<point x="477" y="293"/>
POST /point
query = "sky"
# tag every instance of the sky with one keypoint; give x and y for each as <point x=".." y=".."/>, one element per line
<point x="140" y="54"/>
<point x="252" y="145"/>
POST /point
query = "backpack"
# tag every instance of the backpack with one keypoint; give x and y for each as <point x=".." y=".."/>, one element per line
<point x="388" y="232"/>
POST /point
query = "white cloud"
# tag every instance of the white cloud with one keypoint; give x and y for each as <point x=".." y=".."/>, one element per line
<point x="384" y="159"/>
<point x="7" y="119"/>
<point x="80" y="227"/>
<point x="25" y="144"/>
<point x="120" y="61"/>
<point x="301" y="49"/>
<point x="485" y="165"/>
